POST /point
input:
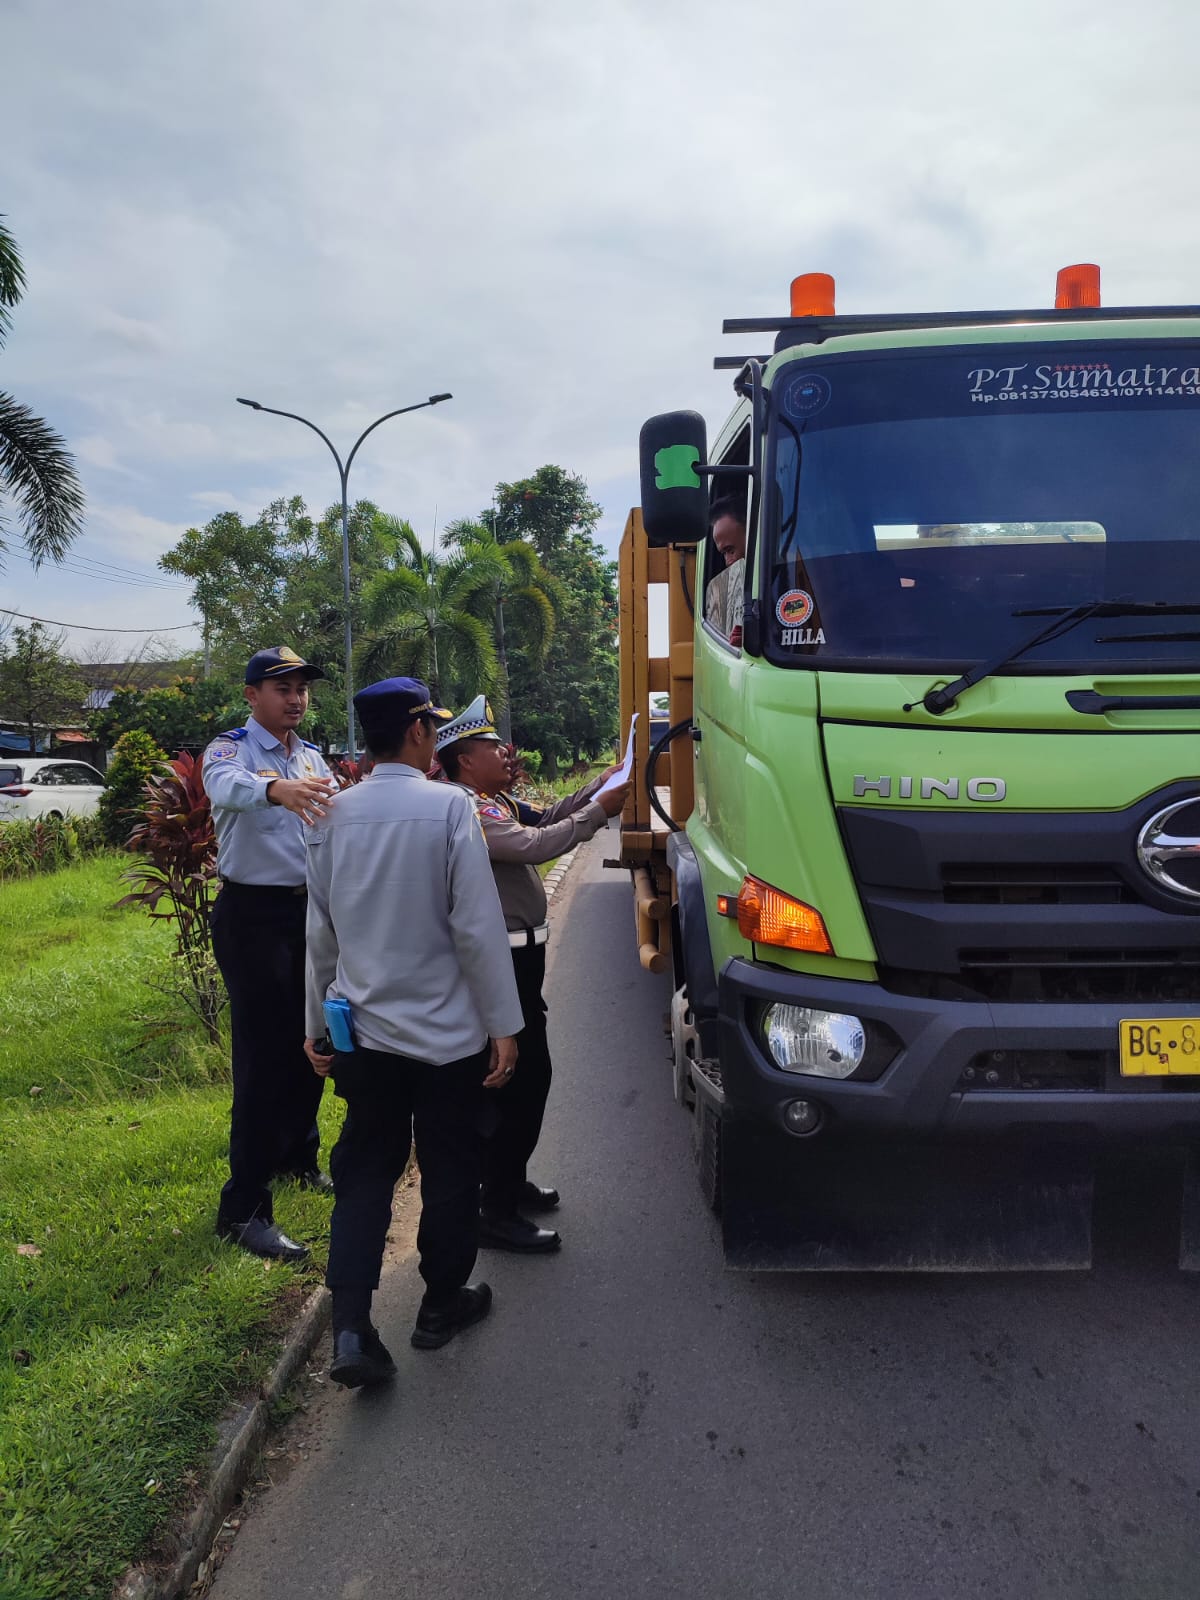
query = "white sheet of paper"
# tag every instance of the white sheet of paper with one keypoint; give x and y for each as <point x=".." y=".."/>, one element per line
<point x="621" y="775"/>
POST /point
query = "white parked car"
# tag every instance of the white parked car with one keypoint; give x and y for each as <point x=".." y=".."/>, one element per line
<point x="42" y="786"/>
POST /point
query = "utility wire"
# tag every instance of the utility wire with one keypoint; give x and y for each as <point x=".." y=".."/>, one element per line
<point x="88" y="566"/>
<point x="89" y="627"/>
<point x="104" y="577"/>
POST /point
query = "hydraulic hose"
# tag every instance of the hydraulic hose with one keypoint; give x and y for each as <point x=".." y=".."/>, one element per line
<point x="656" y="749"/>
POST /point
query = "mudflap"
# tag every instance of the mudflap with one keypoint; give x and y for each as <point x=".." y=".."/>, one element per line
<point x="826" y="1205"/>
<point x="1189" y="1214"/>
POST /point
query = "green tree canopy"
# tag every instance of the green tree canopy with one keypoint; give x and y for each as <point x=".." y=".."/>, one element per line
<point x="423" y="616"/>
<point x="39" y="688"/>
<point x="189" y="712"/>
<point x="550" y="509"/>
<point x="37" y="472"/>
<point x="565" y="702"/>
<point x="278" y="580"/>
<point x="521" y="604"/>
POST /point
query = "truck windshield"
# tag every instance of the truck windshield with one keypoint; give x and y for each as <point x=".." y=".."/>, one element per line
<point x="920" y="507"/>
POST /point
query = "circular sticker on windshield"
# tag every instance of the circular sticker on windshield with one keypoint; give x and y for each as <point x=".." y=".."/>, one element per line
<point x="806" y="394"/>
<point x="794" y="607"/>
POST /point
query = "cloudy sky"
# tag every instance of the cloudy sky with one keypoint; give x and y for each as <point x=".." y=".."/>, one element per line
<point x="545" y="208"/>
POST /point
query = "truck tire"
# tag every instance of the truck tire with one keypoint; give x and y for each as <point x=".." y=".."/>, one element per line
<point x="708" y="1153"/>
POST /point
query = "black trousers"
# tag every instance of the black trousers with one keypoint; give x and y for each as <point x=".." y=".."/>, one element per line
<point x="258" y="942"/>
<point x="389" y="1099"/>
<point x="521" y="1104"/>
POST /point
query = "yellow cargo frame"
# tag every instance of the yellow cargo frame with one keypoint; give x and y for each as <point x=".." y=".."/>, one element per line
<point x="643" y="834"/>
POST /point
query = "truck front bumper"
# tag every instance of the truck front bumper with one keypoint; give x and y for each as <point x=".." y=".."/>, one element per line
<point x="922" y="1090"/>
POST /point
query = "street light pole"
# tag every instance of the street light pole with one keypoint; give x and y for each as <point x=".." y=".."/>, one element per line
<point x="344" y="477"/>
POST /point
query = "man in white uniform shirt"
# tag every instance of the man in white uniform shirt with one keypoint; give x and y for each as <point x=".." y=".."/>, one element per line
<point x="405" y="925"/>
<point x="265" y="784"/>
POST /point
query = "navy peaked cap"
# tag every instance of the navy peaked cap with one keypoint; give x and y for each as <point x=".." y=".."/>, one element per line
<point x="395" y="700"/>
<point x="277" y="663"/>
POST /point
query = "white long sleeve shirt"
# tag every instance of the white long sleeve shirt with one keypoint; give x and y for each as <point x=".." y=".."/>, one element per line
<point x="404" y="920"/>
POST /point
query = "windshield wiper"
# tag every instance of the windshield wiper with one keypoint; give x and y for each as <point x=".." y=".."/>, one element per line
<point x="936" y="701"/>
<point x="1065" y="618"/>
<point x="1117" y="608"/>
<point x="1182" y="637"/>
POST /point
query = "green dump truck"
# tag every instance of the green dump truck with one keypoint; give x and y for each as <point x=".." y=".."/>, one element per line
<point x="921" y="846"/>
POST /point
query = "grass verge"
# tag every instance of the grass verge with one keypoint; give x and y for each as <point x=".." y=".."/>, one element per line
<point x="126" y="1328"/>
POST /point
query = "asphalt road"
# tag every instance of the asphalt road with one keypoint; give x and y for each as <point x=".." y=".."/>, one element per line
<point x="633" y="1421"/>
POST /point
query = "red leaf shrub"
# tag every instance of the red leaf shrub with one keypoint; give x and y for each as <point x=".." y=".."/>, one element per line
<point x="178" y="846"/>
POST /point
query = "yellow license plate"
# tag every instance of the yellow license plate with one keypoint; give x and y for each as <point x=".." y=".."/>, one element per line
<point x="1160" y="1047"/>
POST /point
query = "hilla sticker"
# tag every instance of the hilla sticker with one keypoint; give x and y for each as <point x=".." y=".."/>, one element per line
<point x="794" y="607"/>
<point x="793" y="610"/>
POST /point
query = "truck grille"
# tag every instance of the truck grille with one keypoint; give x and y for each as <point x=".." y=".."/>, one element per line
<point x="1033" y="884"/>
<point x="1013" y="906"/>
<point x="1155" y="976"/>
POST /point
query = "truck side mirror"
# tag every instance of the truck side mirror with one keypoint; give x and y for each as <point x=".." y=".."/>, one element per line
<point x="673" y="447"/>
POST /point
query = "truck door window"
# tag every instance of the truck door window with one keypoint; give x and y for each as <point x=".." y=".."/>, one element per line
<point x="725" y="547"/>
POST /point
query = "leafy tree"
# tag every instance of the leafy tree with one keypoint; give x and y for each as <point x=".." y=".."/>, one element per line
<point x="278" y="580"/>
<point x="422" y="616"/>
<point x="564" y="704"/>
<point x="523" y="601"/>
<point x="550" y="509"/>
<point x="135" y="759"/>
<point x="236" y="571"/>
<point x="36" y="470"/>
<point x="190" y="711"/>
<point x="39" y="687"/>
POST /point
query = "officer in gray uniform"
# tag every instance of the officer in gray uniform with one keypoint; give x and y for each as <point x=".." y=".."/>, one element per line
<point x="519" y="837"/>
<point x="266" y="784"/>
<point x="405" y="930"/>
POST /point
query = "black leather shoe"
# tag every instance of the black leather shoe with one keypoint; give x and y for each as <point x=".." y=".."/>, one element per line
<point x="534" y="1198"/>
<point x="263" y="1239"/>
<point x="314" y="1179"/>
<point x="360" y="1358"/>
<point x="515" y="1232"/>
<point x="437" y="1325"/>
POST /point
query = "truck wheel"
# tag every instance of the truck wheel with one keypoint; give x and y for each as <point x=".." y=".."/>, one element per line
<point x="708" y="1153"/>
<point x="685" y="1047"/>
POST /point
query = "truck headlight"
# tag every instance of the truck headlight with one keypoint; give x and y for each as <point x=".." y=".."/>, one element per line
<point x="824" y="1044"/>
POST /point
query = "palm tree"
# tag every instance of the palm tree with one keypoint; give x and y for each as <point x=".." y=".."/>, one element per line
<point x="36" y="469"/>
<point x="422" y="615"/>
<point x="523" y="593"/>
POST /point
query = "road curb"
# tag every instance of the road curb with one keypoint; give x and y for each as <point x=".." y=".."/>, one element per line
<point x="243" y="1440"/>
<point x="558" y="872"/>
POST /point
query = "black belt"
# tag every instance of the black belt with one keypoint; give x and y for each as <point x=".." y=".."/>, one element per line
<point x="277" y="891"/>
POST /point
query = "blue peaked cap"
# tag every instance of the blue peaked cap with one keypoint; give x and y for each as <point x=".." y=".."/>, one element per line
<point x="396" y="700"/>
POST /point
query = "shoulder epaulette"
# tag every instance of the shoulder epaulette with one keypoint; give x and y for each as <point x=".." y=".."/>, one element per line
<point x="308" y="745"/>
<point x="232" y="733"/>
<point x="528" y="816"/>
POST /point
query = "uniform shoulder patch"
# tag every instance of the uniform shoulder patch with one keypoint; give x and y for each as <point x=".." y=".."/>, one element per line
<point x="224" y="746"/>
<point x="489" y="809"/>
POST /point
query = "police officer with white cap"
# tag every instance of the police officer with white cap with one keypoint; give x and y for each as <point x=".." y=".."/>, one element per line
<point x="407" y="950"/>
<point x="266" y="784"/>
<point x="519" y="837"/>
